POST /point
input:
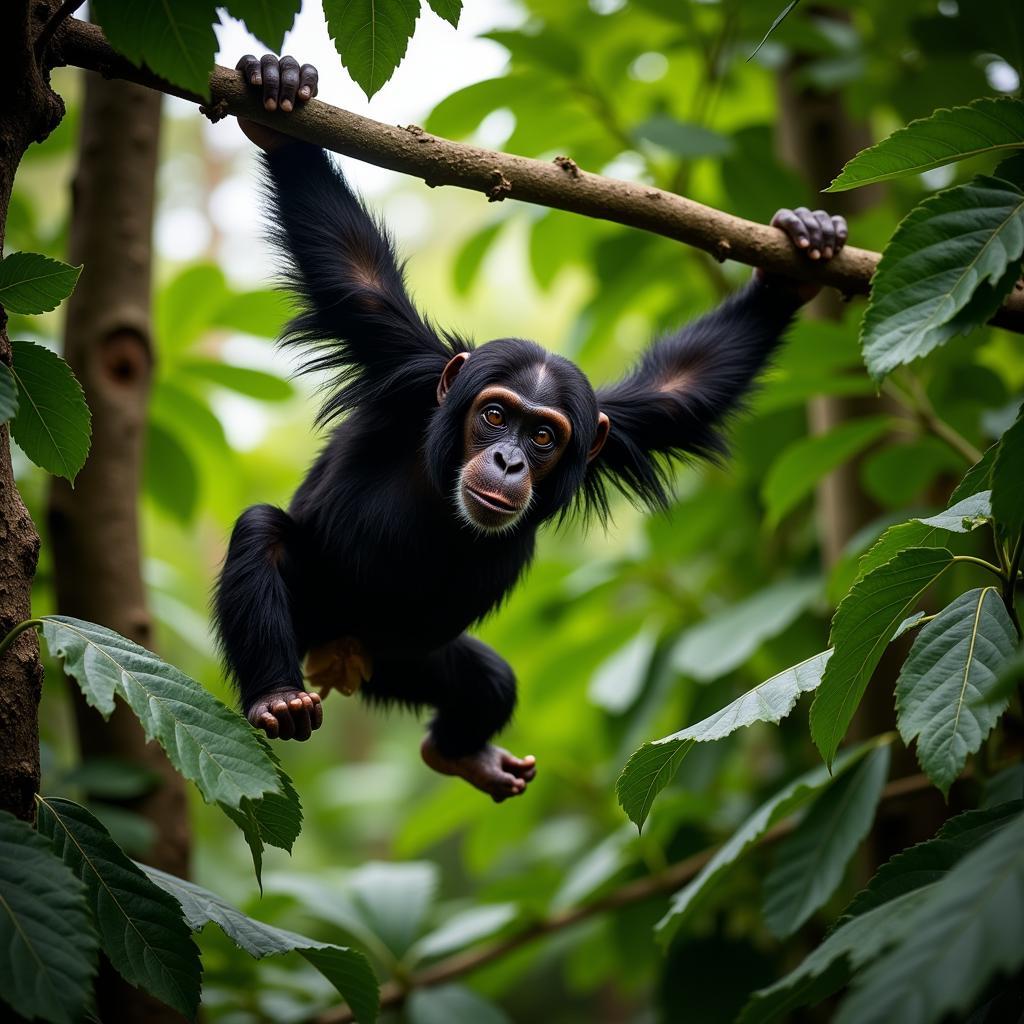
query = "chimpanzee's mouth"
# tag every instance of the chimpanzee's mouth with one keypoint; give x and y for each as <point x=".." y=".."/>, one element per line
<point x="494" y="502"/>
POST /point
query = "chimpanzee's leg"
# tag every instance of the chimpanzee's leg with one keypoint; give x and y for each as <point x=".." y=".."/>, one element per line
<point x="474" y="692"/>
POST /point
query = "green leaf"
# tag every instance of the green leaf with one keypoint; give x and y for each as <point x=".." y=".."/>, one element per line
<point x="861" y="630"/>
<point x="48" y="940"/>
<point x="619" y="679"/>
<point x="963" y="517"/>
<point x="262" y="314"/>
<point x="446" y="1004"/>
<point x="8" y="395"/>
<point x="1008" y="481"/>
<point x="264" y="387"/>
<point x="654" y="765"/>
<point x="796" y="472"/>
<point x="207" y="742"/>
<point x="371" y="36"/>
<point x="876" y="916"/>
<point x="828" y="968"/>
<point x="978" y="477"/>
<point x="176" y="40"/>
<point x="953" y="943"/>
<point x="346" y="969"/>
<point x="929" y="861"/>
<point x="810" y="863"/>
<point x="53" y="425"/>
<point x="189" y="305"/>
<point x="447" y="9"/>
<point x="688" y="141"/>
<point x="779" y="19"/>
<point x="727" y="639"/>
<point x="946" y="270"/>
<point x="268" y="20"/>
<point x="471" y="256"/>
<point x="698" y="893"/>
<point x="463" y="930"/>
<point x="32" y="283"/>
<point x="951" y="669"/>
<point x="170" y="476"/>
<point x="984" y="126"/>
<point x="140" y="926"/>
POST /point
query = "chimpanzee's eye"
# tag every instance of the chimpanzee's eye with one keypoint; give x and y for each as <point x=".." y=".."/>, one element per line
<point x="543" y="437"/>
<point x="494" y="416"/>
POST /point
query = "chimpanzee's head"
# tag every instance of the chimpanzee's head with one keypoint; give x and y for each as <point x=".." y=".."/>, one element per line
<point x="515" y="429"/>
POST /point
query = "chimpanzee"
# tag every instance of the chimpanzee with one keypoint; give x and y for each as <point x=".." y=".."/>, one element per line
<point x="421" y="512"/>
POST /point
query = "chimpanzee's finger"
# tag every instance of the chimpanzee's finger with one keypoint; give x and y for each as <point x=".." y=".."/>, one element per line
<point x="271" y="80"/>
<point x="289" y="68"/>
<point x="828" y="234"/>
<point x="279" y="709"/>
<point x="250" y="68"/>
<point x="789" y="222"/>
<point x="309" y="79"/>
<point x="300" y="716"/>
<point x="316" y="714"/>
<point x="841" y="230"/>
<point x="268" y="723"/>
<point x="810" y="223"/>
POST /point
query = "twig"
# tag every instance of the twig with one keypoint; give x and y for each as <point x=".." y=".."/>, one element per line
<point x="672" y="878"/>
<point x="59" y="16"/>
<point x="438" y="161"/>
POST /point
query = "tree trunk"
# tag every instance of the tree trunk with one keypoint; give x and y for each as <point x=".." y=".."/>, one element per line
<point x="94" y="528"/>
<point x="30" y="110"/>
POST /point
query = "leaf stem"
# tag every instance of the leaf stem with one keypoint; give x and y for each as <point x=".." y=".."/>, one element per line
<point x="981" y="561"/>
<point x="1010" y="583"/>
<point x="16" y="632"/>
<point x="915" y="400"/>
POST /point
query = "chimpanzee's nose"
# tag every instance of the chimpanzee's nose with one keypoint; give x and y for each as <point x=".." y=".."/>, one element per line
<point x="510" y="462"/>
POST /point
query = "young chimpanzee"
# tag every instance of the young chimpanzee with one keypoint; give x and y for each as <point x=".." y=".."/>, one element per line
<point x="421" y="512"/>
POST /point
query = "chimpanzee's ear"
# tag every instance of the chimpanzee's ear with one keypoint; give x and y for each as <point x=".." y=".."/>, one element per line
<point x="448" y="375"/>
<point x="603" y="426"/>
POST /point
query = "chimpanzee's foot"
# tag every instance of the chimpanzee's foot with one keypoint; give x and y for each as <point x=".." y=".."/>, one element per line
<point x="287" y="714"/>
<point x="493" y="770"/>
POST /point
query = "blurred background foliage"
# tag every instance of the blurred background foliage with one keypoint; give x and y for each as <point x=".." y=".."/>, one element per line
<point x="618" y="636"/>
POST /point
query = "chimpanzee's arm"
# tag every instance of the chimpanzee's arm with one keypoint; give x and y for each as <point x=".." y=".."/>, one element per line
<point x="678" y="398"/>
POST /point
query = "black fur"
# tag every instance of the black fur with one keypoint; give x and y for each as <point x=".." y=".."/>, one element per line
<point x="371" y="546"/>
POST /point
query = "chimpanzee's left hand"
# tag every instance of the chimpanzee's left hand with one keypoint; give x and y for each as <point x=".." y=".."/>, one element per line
<point x="819" y="235"/>
<point x="283" y="85"/>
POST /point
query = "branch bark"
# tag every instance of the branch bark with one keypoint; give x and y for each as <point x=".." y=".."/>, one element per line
<point x="560" y="184"/>
<point x="29" y="112"/>
<point x="671" y="879"/>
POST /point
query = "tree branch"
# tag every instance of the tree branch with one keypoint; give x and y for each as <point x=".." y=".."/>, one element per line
<point x="560" y="184"/>
<point x="672" y="878"/>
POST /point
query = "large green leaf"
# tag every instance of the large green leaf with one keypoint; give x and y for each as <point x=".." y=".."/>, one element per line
<point x="8" y="395"/>
<point x="170" y="476"/>
<point x="176" y="40"/>
<point x="371" y="36"/>
<point x="258" y="384"/>
<point x="654" y="765"/>
<point x="862" y="627"/>
<point x="447" y="9"/>
<point x="952" y="667"/>
<point x="268" y="20"/>
<point x="875" y="917"/>
<point x="947" y="269"/>
<point x="794" y="474"/>
<point x="33" y="283"/>
<point x="141" y="927"/>
<point x="700" y="892"/>
<point x="726" y="639"/>
<point x="53" y="424"/>
<point x="207" y="742"/>
<point x="810" y="863"/>
<point x="953" y="943"/>
<point x="48" y="940"/>
<point x="987" y="125"/>
<point x="1008" y="481"/>
<point x="346" y="969"/>
<point x="463" y="930"/>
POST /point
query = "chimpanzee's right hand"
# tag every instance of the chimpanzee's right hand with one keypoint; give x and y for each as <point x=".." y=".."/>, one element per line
<point x="283" y="84"/>
<point x="287" y="714"/>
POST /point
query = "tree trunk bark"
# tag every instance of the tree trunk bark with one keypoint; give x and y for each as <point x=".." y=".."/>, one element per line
<point x="30" y="110"/>
<point x="94" y="528"/>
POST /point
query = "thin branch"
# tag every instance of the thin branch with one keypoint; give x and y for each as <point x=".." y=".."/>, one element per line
<point x="672" y="878"/>
<point x="58" y="17"/>
<point x="560" y="184"/>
